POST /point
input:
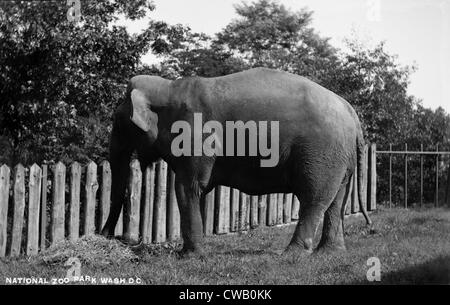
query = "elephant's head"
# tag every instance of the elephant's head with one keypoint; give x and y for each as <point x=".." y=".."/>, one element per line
<point x="149" y="96"/>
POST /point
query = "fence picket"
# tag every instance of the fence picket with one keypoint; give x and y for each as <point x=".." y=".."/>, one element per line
<point x="58" y="218"/>
<point x="74" y="209"/>
<point x="91" y="188"/>
<point x="19" y="207"/>
<point x="280" y="207"/>
<point x="209" y="213"/>
<point x="44" y="190"/>
<point x="5" y="173"/>
<point x="243" y="211"/>
<point x="295" y="207"/>
<point x="134" y="203"/>
<point x="254" y="211"/>
<point x="287" y="209"/>
<point x="272" y="205"/>
<point x="234" y="213"/>
<point x="173" y="214"/>
<point x="105" y="197"/>
<point x="33" y="210"/>
<point x="354" y="194"/>
<point x="149" y="196"/>
<point x="159" y="229"/>
<point x="372" y="179"/>
<point x="262" y="210"/>
<point x="222" y="203"/>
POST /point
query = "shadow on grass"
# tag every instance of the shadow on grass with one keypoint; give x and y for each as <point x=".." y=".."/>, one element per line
<point x="436" y="271"/>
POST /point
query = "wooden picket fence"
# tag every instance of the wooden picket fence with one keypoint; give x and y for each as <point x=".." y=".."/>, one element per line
<point x="31" y="219"/>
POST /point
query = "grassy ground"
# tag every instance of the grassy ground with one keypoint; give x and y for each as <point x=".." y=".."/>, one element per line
<point x="413" y="247"/>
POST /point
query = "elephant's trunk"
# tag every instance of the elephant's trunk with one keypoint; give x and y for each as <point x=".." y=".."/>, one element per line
<point x="120" y="155"/>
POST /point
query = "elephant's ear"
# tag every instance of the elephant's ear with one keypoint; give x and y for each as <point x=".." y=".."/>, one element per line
<point x="142" y="116"/>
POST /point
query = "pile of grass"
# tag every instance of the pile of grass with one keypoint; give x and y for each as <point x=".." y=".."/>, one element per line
<point x="92" y="250"/>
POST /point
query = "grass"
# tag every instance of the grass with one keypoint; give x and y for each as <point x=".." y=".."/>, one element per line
<point x="413" y="247"/>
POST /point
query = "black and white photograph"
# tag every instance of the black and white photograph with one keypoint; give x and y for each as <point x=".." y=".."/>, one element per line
<point x="224" y="148"/>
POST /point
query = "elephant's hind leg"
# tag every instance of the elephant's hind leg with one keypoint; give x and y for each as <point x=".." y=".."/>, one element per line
<point x="333" y="225"/>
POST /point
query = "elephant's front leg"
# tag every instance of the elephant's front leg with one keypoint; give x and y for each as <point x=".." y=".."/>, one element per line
<point x="188" y="196"/>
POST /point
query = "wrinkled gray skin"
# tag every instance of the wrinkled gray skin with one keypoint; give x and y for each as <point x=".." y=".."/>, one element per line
<point x="320" y="144"/>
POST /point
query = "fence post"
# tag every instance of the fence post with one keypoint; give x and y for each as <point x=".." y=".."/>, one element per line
<point x="436" y="198"/>
<point x="295" y="207"/>
<point x="372" y="181"/>
<point x="173" y="214"/>
<point x="390" y="176"/>
<point x="272" y="207"/>
<point x="74" y="209"/>
<point x="447" y="191"/>
<point x="234" y="214"/>
<point x="159" y="229"/>
<point x="91" y="192"/>
<point x="287" y="216"/>
<point x="253" y="211"/>
<point x="209" y="213"/>
<point x="280" y="207"/>
<point x="44" y="206"/>
<point x="243" y="211"/>
<point x="354" y="194"/>
<point x="149" y="196"/>
<point x="59" y="184"/>
<point x="105" y="197"/>
<point x="406" y="176"/>
<point x="133" y="203"/>
<point x="19" y="207"/>
<point x="33" y="210"/>
<point x="262" y="210"/>
<point x="4" y="197"/>
<point x="222" y="199"/>
<point x="421" y="175"/>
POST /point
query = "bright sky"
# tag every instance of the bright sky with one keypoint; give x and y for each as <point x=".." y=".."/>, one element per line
<point x="418" y="31"/>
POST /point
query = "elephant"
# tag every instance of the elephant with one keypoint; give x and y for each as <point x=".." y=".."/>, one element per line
<point x="320" y="142"/>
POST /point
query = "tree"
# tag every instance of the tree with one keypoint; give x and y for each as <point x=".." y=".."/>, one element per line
<point x="61" y="80"/>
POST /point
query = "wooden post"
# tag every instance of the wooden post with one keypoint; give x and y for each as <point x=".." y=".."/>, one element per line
<point x="134" y="203"/>
<point x="254" y="212"/>
<point x="234" y="215"/>
<point x="280" y="207"/>
<point x="118" y="231"/>
<point x="405" y="188"/>
<point x="59" y="184"/>
<point x="173" y="213"/>
<point x="262" y="210"/>
<point x="105" y="196"/>
<point x="372" y="181"/>
<point x="19" y="207"/>
<point x="91" y="188"/>
<point x="447" y="190"/>
<point x="354" y="194"/>
<point x="436" y="191"/>
<point x="390" y="177"/>
<point x="208" y="228"/>
<point x="243" y="212"/>
<point x="43" y="223"/>
<point x="159" y="222"/>
<point x="421" y="176"/>
<point x="273" y="208"/>
<point x="149" y="195"/>
<point x="295" y="207"/>
<point x="33" y="210"/>
<point x="74" y="210"/>
<point x="5" y="173"/>
<point x="222" y="209"/>
<point x="287" y="215"/>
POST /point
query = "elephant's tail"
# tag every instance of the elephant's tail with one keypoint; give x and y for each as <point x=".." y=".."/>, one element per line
<point x="360" y="157"/>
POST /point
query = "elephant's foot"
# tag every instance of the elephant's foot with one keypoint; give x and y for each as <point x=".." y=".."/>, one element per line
<point x="330" y="247"/>
<point x="106" y="233"/>
<point x="191" y="252"/>
<point x="299" y="247"/>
